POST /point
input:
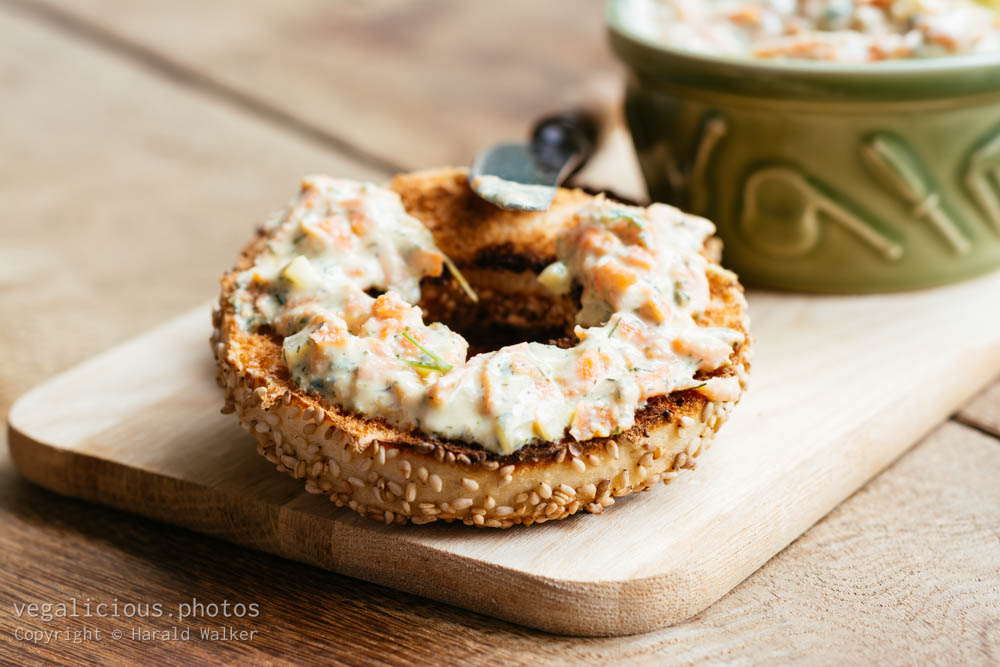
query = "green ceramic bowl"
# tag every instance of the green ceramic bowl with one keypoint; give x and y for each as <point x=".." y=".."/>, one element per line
<point x="824" y="177"/>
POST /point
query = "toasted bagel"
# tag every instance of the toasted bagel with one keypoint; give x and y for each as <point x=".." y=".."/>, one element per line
<point x="393" y="475"/>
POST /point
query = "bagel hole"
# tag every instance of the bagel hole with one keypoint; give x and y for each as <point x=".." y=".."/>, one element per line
<point x="513" y="308"/>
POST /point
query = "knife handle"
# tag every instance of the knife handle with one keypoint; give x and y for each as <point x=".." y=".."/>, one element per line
<point x="563" y="142"/>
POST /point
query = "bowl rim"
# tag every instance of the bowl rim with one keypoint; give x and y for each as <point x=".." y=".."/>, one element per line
<point x="936" y="66"/>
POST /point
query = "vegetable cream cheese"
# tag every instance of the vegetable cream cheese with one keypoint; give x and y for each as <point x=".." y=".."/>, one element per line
<point x="832" y="30"/>
<point x="340" y="275"/>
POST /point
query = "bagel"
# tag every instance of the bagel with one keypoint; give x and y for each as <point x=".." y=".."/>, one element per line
<point x="394" y="472"/>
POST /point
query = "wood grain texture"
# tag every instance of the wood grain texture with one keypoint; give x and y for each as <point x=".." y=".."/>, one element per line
<point x="413" y="84"/>
<point x="983" y="411"/>
<point x="904" y="572"/>
<point x="799" y="443"/>
<point x="58" y="270"/>
<point x="122" y="194"/>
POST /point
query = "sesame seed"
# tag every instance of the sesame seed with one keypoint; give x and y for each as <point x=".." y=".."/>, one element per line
<point x="462" y="503"/>
<point x="506" y="480"/>
<point x="381" y="456"/>
<point x="612" y="448"/>
<point x="520" y="498"/>
<point x="478" y="519"/>
<point x="594" y="459"/>
<point x="422" y="474"/>
<point x="470" y="484"/>
<point x="411" y="492"/>
<point x="491" y="465"/>
<point x="503" y="510"/>
<point x="289" y="461"/>
<point x="578" y="465"/>
<point x="646" y="460"/>
<point x="568" y="490"/>
<point x="354" y="481"/>
<point x="544" y="490"/>
<point x="436" y="483"/>
<point x="396" y="489"/>
<point x="405" y="468"/>
<point x="261" y="427"/>
<point x="334" y="468"/>
<point x="506" y="470"/>
<point x="312" y="488"/>
<point x="574" y="449"/>
<point x="489" y="503"/>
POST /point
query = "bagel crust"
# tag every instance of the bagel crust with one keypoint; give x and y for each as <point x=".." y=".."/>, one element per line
<point x="393" y="475"/>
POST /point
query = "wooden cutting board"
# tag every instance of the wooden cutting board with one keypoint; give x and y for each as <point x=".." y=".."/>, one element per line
<point x="840" y="387"/>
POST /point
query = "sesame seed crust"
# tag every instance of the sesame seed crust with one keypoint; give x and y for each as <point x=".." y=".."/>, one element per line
<point x="393" y="476"/>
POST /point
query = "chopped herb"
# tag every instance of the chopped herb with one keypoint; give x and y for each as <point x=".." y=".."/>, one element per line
<point x="699" y="386"/>
<point x="317" y="385"/>
<point x="462" y="282"/>
<point x="614" y="328"/>
<point x="279" y="298"/>
<point x="681" y="296"/>
<point x="621" y="214"/>
<point x="617" y="431"/>
<point x="437" y="363"/>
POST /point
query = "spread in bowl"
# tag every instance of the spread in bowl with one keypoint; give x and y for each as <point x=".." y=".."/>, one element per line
<point x="830" y="145"/>
<point x="832" y="30"/>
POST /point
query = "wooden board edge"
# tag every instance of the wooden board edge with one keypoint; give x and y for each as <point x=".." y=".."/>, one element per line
<point x="565" y="607"/>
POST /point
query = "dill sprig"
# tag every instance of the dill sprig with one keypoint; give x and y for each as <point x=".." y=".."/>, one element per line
<point x="614" y="328"/>
<point x="438" y="364"/>
<point x="462" y="282"/>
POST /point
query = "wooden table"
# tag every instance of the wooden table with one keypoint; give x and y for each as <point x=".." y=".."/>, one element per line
<point x="141" y="143"/>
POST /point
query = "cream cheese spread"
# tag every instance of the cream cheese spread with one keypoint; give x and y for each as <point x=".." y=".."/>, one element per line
<point x="831" y="30"/>
<point x="339" y="277"/>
